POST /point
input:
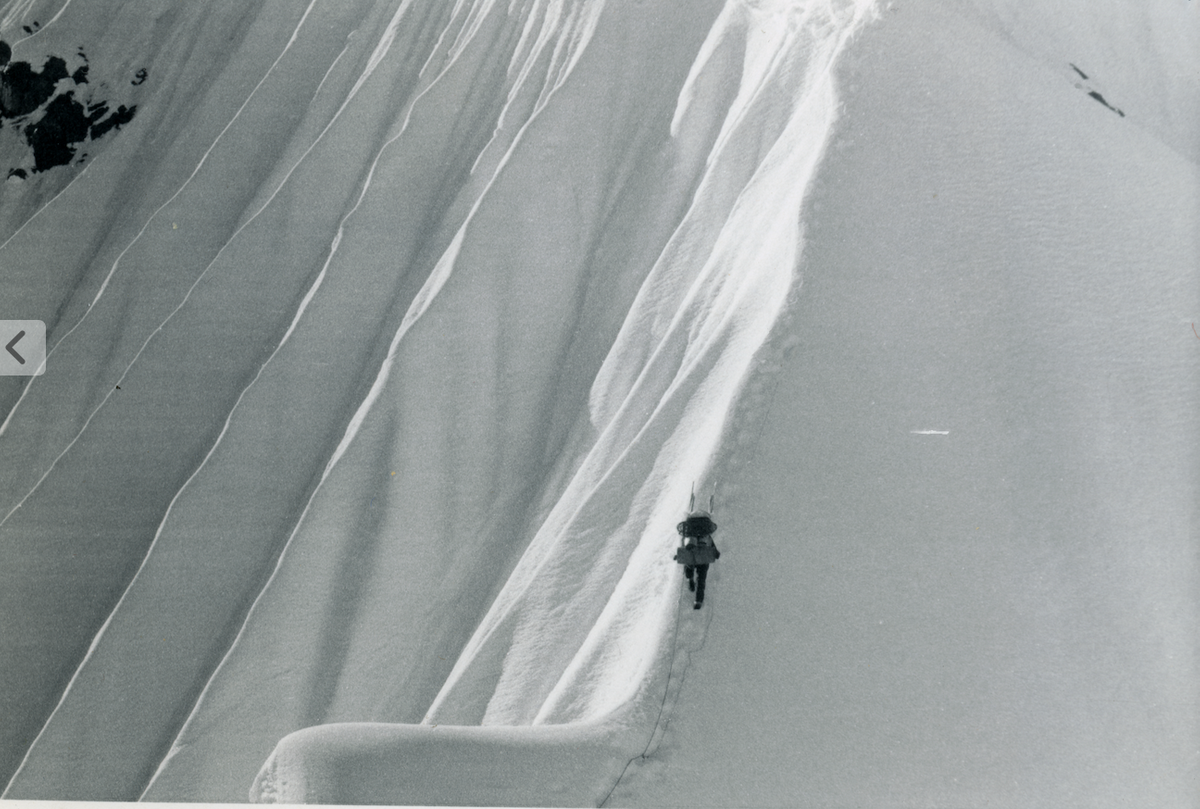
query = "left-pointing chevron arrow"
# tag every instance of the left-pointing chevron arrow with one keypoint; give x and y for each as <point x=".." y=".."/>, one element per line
<point x="9" y="348"/>
<point x="24" y="347"/>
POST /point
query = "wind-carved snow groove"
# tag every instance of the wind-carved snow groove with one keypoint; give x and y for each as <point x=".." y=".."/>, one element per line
<point x="424" y="297"/>
<point x="662" y="405"/>
<point x="308" y="297"/>
<point x="20" y="8"/>
<point x="48" y="203"/>
<point x="88" y="166"/>
<point x="373" y="63"/>
<point x="528" y="53"/>
<point x="95" y="641"/>
<point x="376" y="58"/>
<point x="668" y="372"/>
<point x="697" y="295"/>
<point x="116" y="263"/>
<point x="420" y="304"/>
<point x="445" y="265"/>
<point x="311" y="292"/>
<point x="14" y="11"/>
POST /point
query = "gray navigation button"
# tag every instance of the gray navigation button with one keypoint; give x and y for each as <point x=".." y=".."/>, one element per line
<point x="24" y="348"/>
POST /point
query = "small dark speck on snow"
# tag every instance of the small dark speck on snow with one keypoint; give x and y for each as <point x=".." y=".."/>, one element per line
<point x="1100" y="98"/>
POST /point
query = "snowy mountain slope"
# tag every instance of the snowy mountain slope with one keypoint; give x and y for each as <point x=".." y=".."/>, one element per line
<point x="388" y="337"/>
<point x="960" y="568"/>
<point x="452" y="307"/>
<point x="582" y="624"/>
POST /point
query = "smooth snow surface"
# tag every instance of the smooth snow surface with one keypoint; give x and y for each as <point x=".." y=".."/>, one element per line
<point x="389" y="337"/>
<point x="961" y="567"/>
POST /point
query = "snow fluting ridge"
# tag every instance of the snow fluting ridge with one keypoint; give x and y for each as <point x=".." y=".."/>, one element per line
<point x="553" y="649"/>
<point x="76" y="556"/>
<point x="374" y="398"/>
<point x="658" y="405"/>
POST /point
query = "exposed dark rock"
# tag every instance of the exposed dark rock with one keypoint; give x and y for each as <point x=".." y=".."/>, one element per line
<point x="122" y="116"/>
<point x="54" y="136"/>
<point x="64" y="121"/>
<point x="22" y="90"/>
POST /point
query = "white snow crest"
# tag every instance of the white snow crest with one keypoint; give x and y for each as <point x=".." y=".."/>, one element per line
<point x="592" y="595"/>
<point x="576" y="32"/>
<point x="382" y="46"/>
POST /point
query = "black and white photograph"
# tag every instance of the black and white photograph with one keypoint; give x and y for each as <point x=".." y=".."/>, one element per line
<point x="600" y="403"/>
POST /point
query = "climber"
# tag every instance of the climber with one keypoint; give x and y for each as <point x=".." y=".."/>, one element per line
<point x="697" y="551"/>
